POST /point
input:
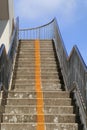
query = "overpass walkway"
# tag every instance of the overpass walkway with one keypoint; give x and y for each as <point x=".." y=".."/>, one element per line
<point x="42" y="88"/>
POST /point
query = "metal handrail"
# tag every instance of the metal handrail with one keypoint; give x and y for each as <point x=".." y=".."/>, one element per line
<point x="74" y="70"/>
<point x="37" y="27"/>
<point x="41" y="32"/>
<point x="7" y="60"/>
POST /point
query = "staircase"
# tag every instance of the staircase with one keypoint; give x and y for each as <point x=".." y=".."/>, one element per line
<point x="37" y="100"/>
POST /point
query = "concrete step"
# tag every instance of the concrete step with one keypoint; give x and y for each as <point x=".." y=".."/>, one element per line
<point x="24" y="70"/>
<point x="51" y="64"/>
<point x="33" y="50"/>
<point x="26" y="41"/>
<point x="31" y="76"/>
<point x="26" y="56"/>
<point x="46" y="45"/>
<point x="56" y="80"/>
<point x="33" y="45"/>
<point x="43" y="77"/>
<point x="47" y="62"/>
<point x="33" y="53"/>
<point x="42" y="57"/>
<point x="28" y="72"/>
<point x="33" y="58"/>
<point x="50" y="101"/>
<point x="33" y="94"/>
<point x="23" y="87"/>
<point x="24" y="65"/>
<point x="32" y="72"/>
<point x="47" y="85"/>
<point x="30" y="81"/>
<point x="65" y="118"/>
<point x="33" y="41"/>
<point x="28" y="61"/>
<point x="33" y="62"/>
<point x="43" y="68"/>
<point x="33" y="126"/>
<point x="27" y="44"/>
<point x="48" y="65"/>
<point x="31" y="86"/>
<point x="11" y="109"/>
<point x="47" y="53"/>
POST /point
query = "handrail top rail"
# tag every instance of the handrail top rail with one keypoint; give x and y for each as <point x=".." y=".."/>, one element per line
<point x="1" y="49"/>
<point x="38" y="26"/>
<point x="71" y="53"/>
<point x="79" y="55"/>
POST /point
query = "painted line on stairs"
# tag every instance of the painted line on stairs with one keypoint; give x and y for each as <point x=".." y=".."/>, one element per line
<point x="39" y="93"/>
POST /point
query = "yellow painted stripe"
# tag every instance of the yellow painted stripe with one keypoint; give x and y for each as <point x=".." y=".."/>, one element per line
<point x="39" y="93"/>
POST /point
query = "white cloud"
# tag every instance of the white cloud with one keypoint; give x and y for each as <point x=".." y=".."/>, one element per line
<point x="62" y="9"/>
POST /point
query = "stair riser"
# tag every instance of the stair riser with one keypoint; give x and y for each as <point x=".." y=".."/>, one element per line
<point x="34" y="95"/>
<point x="32" y="67"/>
<point x="43" y="70"/>
<point x="33" y="53"/>
<point x="29" y="51"/>
<point x="32" y="50"/>
<point x="31" y="72"/>
<point x="33" y="77"/>
<point x="32" y="47"/>
<point x="51" y="102"/>
<point x="32" y="110"/>
<point x="32" y="126"/>
<point x="33" y="56"/>
<point x="30" y="86"/>
<point x="33" y="62"/>
<point x="33" y="118"/>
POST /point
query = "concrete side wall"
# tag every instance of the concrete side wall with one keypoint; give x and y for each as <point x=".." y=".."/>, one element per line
<point x="7" y="25"/>
<point x="4" y="33"/>
<point x="4" y="14"/>
<point x="11" y="16"/>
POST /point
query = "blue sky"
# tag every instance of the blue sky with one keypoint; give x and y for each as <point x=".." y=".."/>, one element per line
<point x="71" y="16"/>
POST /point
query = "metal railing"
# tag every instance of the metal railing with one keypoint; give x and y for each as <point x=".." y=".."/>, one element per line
<point x="74" y="72"/>
<point x="42" y="32"/>
<point x="7" y="60"/>
<point x="73" y="67"/>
